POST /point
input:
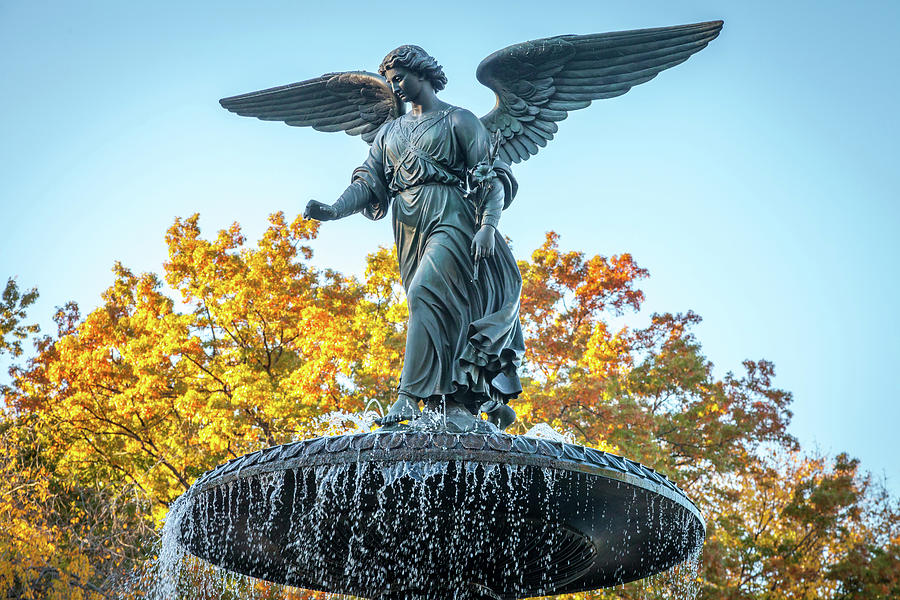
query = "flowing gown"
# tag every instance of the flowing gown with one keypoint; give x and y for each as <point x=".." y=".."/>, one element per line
<point x="464" y="338"/>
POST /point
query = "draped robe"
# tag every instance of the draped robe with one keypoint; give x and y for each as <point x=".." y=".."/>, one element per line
<point x="464" y="338"/>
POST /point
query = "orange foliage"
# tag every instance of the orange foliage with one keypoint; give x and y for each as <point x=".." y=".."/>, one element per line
<point x="251" y="344"/>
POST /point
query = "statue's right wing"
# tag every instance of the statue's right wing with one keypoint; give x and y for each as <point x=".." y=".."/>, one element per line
<point x="355" y="102"/>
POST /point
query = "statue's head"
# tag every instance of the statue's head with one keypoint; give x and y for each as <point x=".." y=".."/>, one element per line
<point x="415" y="59"/>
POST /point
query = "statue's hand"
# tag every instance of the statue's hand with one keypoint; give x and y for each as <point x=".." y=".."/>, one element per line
<point x="319" y="211"/>
<point x="483" y="243"/>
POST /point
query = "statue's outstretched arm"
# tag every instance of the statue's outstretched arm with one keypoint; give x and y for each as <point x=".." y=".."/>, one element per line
<point x="367" y="193"/>
<point x="355" y="198"/>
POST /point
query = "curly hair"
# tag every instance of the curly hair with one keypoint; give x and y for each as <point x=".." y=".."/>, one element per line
<point x="417" y="60"/>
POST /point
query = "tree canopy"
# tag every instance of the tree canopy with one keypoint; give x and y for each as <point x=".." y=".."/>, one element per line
<point x="236" y="347"/>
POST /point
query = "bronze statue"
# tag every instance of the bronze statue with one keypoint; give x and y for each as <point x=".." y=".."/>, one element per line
<point x="444" y="175"/>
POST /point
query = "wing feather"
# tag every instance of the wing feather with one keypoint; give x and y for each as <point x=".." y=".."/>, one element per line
<point x="359" y="129"/>
<point x="518" y="145"/>
<point x="356" y="102"/>
<point x="333" y="127"/>
<point x="547" y="126"/>
<point x="322" y="103"/>
<point x="311" y="115"/>
<point x="535" y="137"/>
<point x="567" y="102"/>
<point x="329" y="119"/>
<point x="579" y="69"/>
<point x="538" y="83"/>
<point x="549" y="114"/>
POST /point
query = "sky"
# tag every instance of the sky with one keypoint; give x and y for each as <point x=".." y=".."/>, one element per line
<point x="756" y="181"/>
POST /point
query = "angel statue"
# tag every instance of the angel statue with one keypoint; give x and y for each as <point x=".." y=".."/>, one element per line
<point x="444" y="175"/>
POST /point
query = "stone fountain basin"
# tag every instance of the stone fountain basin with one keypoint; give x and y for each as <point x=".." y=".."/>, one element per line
<point x="413" y="514"/>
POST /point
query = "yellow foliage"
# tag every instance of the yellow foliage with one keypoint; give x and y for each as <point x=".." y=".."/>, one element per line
<point x="142" y="398"/>
<point x="36" y="560"/>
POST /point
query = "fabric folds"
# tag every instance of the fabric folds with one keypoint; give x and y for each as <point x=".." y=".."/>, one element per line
<point x="464" y="336"/>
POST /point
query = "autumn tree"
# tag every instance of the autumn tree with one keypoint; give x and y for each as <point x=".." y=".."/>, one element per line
<point x="236" y="347"/>
<point x="13" y="328"/>
<point x="137" y="398"/>
<point x="151" y="396"/>
<point x="647" y="392"/>
<point x="58" y="539"/>
<point x="801" y="528"/>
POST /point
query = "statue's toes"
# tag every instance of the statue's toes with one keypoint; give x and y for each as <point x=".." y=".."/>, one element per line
<point x="502" y="416"/>
<point x="388" y="419"/>
<point x="395" y="417"/>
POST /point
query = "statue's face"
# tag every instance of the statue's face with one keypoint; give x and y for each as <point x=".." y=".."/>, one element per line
<point x="406" y="84"/>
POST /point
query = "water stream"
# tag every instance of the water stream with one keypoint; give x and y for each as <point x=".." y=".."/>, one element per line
<point x="418" y="527"/>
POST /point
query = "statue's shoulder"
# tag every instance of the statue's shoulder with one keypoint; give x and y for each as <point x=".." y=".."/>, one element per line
<point x="462" y="115"/>
<point x="383" y="130"/>
<point x="463" y="119"/>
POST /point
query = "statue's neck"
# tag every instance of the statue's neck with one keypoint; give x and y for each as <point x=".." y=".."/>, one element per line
<point x="426" y="103"/>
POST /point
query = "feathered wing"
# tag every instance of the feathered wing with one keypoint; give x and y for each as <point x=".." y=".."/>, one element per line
<point x="355" y="102"/>
<point x="537" y="83"/>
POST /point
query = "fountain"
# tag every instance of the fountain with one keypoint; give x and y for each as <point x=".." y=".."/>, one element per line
<point x="411" y="514"/>
<point x="443" y="504"/>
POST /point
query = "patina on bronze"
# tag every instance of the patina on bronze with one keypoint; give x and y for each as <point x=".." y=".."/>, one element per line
<point x="434" y="170"/>
<point x="446" y="506"/>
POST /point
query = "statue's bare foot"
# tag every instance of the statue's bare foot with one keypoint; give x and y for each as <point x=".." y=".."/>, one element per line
<point x="498" y="413"/>
<point x="445" y="414"/>
<point x="406" y="408"/>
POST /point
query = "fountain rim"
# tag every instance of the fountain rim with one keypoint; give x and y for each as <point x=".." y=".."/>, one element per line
<point x="487" y="449"/>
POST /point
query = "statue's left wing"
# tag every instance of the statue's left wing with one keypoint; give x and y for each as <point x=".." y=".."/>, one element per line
<point x="355" y="102"/>
<point x="537" y="83"/>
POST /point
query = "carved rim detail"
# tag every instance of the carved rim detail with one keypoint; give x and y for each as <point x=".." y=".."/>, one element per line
<point x="497" y="448"/>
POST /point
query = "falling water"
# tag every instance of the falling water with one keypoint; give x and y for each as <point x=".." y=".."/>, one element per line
<point x="364" y="528"/>
<point x="544" y="431"/>
<point x="340" y="422"/>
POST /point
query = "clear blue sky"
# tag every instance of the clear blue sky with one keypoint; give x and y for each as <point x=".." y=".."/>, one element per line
<point x="757" y="181"/>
